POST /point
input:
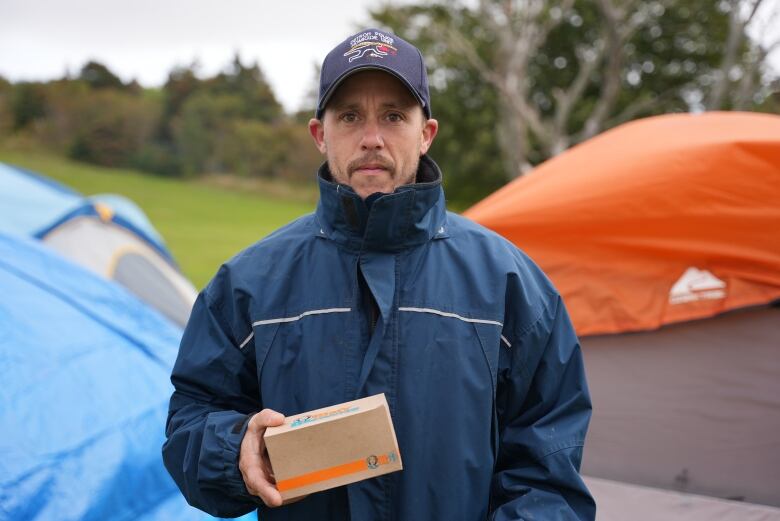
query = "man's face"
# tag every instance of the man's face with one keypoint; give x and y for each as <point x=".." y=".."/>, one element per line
<point x="373" y="133"/>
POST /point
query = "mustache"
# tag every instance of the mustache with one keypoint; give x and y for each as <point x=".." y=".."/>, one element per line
<point x="374" y="159"/>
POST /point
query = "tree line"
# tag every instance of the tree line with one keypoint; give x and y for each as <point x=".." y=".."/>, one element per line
<point x="230" y="123"/>
<point x="513" y="83"/>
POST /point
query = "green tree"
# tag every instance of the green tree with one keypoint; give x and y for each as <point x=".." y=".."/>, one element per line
<point x="202" y="118"/>
<point x="6" y="114"/>
<point x="110" y="127"/>
<point x="547" y="75"/>
<point x="28" y="104"/>
<point x="161" y="155"/>
<point x="98" y="76"/>
<point x="282" y="150"/>
<point x="249" y="85"/>
<point x="202" y="131"/>
<point x="182" y="82"/>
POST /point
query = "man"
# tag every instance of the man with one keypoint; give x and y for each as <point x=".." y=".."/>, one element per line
<point x="383" y="291"/>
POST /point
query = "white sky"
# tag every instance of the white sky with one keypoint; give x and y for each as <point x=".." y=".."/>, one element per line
<point x="144" y="39"/>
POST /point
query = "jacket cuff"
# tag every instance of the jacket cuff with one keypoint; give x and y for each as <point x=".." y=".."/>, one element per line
<point x="221" y="447"/>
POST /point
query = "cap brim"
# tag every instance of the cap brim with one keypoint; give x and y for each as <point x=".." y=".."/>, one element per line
<point x="366" y="67"/>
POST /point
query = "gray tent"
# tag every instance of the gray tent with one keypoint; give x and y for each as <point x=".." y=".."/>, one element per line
<point x="692" y="407"/>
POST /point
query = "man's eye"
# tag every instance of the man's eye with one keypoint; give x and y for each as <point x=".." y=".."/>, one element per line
<point x="349" y="117"/>
<point x="394" y="117"/>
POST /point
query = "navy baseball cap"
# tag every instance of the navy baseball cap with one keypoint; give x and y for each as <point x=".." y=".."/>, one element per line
<point x="374" y="49"/>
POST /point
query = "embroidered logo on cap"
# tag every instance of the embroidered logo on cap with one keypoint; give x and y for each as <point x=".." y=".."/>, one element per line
<point x="372" y="44"/>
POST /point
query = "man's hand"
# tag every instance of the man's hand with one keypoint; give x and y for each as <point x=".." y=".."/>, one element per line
<point x="253" y="459"/>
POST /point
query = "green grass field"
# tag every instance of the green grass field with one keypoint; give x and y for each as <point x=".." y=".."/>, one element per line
<point x="202" y="222"/>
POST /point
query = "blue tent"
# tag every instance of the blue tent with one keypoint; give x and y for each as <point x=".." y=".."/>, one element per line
<point x="107" y="234"/>
<point x="32" y="205"/>
<point x="84" y="367"/>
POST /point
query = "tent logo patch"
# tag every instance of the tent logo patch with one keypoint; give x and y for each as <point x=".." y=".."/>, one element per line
<point x="695" y="285"/>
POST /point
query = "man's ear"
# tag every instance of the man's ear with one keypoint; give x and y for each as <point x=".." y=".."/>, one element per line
<point x="429" y="131"/>
<point x="317" y="131"/>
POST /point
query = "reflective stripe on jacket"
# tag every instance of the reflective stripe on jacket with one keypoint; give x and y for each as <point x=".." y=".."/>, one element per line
<point x="472" y="347"/>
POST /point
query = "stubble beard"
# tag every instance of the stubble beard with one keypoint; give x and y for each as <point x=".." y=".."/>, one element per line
<point x="397" y="179"/>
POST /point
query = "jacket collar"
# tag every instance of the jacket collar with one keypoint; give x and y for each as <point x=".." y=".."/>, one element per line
<point x="413" y="214"/>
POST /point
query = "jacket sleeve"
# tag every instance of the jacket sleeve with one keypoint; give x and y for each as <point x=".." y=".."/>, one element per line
<point x="215" y="392"/>
<point x="543" y="408"/>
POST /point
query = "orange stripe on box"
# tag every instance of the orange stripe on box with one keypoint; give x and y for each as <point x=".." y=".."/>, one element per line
<point x="337" y="471"/>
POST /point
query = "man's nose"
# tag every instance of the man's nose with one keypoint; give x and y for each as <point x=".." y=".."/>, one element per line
<point x="372" y="137"/>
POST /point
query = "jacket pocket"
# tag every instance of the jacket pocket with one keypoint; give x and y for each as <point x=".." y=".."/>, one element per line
<point x="300" y="362"/>
<point x="262" y="340"/>
<point x="490" y="340"/>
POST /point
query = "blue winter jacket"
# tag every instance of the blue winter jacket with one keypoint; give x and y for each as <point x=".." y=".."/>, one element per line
<point x="467" y="338"/>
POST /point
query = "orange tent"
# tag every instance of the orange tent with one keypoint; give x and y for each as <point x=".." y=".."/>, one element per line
<point x="661" y="220"/>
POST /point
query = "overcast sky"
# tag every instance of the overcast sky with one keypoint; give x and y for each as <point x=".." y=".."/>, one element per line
<point x="144" y="39"/>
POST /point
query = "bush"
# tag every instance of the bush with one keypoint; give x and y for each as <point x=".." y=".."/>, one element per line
<point x="303" y="158"/>
<point x="252" y="148"/>
<point x="6" y="112"/>
<point x="157" y="158"/>
<point x="28" y="104"/>
<point x="111" y="127"/>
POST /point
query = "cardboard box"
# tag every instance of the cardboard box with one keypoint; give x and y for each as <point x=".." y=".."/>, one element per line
<point x="333" y="446"/>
